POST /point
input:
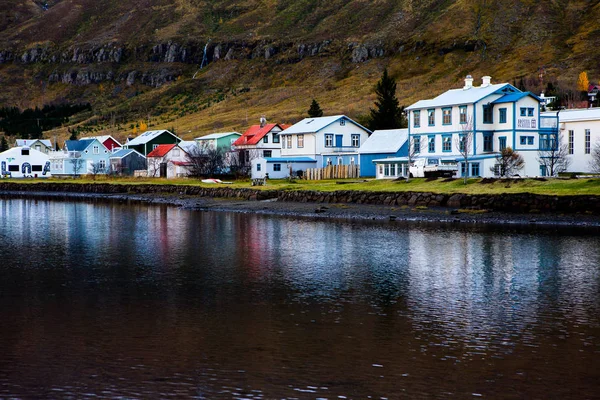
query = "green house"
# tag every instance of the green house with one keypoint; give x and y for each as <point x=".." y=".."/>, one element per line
<point x="150" y="140"/>
<point x="218" y="140"/>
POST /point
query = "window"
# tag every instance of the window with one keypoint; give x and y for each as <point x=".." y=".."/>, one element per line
<point x="386" y="169"/>
<point x="446" y="116"/>
<point x="351" y="160"/>
<point x="571" y="142"/>
<point x="266" y="138"/>
<point x="523" y="112"/>
<point x="502" y="115"/>
<point x="176" y="152"/>
<point x="416" y="119"/>
<point x="488" y="114"/>
<point x="24" y="152"/>
<point x="300" y="141"/>
<point x="275" y="138"/>
<point x="289" y="141"/>
<point x="258" y="167"/>
<point x="529" y="140"/>
<point x="502" y="143"/>
<point x="276" y="167"/>
<point x="328" y="161"/>
<point x="355" y="140"/>
<point x="96" y="150"/>
<point x="447" y="143"/>
<point x="36" y="168"/>
<point x="431" y="144"/>
<point x="328" y="140"/>
<point x="13" y="168"/>
<point x="38" y="147"/>
<point x="267" y="153"/>
<point x="102" y="164"/>
<point x="462" y="143"/>
<point x="417" y="144"/>
<point x="431" y="117"/>
<point x="154" y="146"/>
<point x="342" y="122"/>
<point x="475" y="169"/>
<point x="340" y="161"/>
<point x="530" y="112"/>
<point x="587" y="141"/>
<point x="463" y="114"/>
<point x="523" y="140"/>
<point x="463" y="169"/>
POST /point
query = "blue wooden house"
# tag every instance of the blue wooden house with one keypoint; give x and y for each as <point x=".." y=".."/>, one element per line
<point x="382" y="144"/>
<point x="80" y="157"/>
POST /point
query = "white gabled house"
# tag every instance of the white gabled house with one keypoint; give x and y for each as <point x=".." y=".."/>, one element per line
<point x="498" y="115"/>
<point x="24" y="162"/>
<point x="259" y="141"/>
<point x="168" y="161"/>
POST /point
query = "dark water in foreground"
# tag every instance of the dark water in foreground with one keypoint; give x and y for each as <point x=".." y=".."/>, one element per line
<point x="105" y="301"/>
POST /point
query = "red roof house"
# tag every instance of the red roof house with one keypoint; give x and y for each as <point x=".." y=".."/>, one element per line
<point x="260" y="141"/>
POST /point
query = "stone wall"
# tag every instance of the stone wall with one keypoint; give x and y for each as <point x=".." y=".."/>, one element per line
<point x="516" y="203"/>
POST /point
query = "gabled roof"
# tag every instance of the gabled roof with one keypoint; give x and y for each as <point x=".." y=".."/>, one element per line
<point x="310" y="125"/>
<point x="30" y="142"/>
<point x="79" y="145"/>
<point x="463" y="96"/>
<point x="514" y="97"/>
<point x="161" y="150"/>
<point x="255" y="133"/>
<point x="188" y="145"/>
<point x="102" y="138"/>
<point x="148" y="136"/>
<point x="124" y="153"/>
<point x="384" y="141"/>
<point x="218" y="135"/>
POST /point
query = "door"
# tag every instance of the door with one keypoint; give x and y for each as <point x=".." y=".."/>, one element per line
<point x="163" y="170"/>
<point x="338" y="140"/>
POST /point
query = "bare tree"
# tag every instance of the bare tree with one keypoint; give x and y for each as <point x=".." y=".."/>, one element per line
<point x="595" y="161"/>
<point x="154" y="166"/>
<point x="95" y="169"/>
<point x="205" y="160"/>
<point x="508" y="163"/>
<point x="464" y="144"/>
<point x="77" y="164"/>
<point x="553" y="155"/>
<point x="240" y="161"/>
<point x="415" y="144"/>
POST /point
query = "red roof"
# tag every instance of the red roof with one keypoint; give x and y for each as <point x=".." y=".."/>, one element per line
<point x="255" y="133"/>
<point x="161" y="150"/>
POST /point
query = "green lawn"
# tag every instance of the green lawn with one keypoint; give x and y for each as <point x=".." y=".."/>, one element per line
<point x="558" y="187"/>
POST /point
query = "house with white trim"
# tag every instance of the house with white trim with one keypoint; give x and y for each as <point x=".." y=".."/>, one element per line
<point x="43" y="145"/>
<point x="168" y="161"/>
<point x="382" y="144"/>
<point x="259" y="141"/>
<point x="24" y="162"/>
<point x="80" y="157"/>
<point x="497" y="115"/>
<point x="107" y="140"/>
<point x="579" y="129"/>
<point x="150" y="140"/>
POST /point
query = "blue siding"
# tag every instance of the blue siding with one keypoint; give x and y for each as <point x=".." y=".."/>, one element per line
<point x="367" y="168"/>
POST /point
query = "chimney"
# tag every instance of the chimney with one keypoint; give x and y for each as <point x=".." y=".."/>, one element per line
<point x="468" y="82"/>
<point x="263" y="121"/>
<point x="485" y="81"/>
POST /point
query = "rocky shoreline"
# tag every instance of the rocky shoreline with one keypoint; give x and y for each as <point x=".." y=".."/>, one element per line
<point x="384" y="213"/>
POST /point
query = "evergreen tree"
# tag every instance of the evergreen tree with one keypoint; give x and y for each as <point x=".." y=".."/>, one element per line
<point x="3" y="144"/>
<point x="388" y="114"/>
<point x="315" y="110"/>
<point x="73" y="134"/>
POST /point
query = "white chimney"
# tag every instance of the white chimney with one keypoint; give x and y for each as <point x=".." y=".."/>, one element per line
<point x="263" y="121"/>
<point x="485" y="81"/>
<point x="468" y="82"/>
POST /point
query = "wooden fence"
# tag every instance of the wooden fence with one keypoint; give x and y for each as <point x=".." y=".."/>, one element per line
<point x="332" y="172"/>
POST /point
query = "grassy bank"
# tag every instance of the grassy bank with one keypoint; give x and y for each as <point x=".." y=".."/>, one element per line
<point x="554" y="187"/>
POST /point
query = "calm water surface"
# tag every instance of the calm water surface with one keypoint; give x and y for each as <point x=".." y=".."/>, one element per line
<point x="106" y="300"/>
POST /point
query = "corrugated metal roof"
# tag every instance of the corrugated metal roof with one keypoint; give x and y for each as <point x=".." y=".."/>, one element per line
<point x="310" y="125"/>
<point x="460" y="96"/>
<point x="161" y="150"/>
<point x="217" y="135"/>
<point x="255" y="133"/>
<point x="124" y="153"/>
<point x="78" y="145"/>
<point x="148" y="136"/>
<point x="384" y="141"/>
<point x="581" y="114"/>
<point x="30" y="142"/>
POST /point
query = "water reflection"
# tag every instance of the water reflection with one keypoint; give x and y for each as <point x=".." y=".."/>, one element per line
<point x="136" y="301"/>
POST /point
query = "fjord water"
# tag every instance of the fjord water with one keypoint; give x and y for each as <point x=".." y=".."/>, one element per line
<point x="133" y="301"/>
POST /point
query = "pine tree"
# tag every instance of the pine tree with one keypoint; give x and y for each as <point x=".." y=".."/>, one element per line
<point x="388" y="114"/>
<point x="315" y="110"/>
<point x="3" y="144"/>
<point x="73" y="134"/>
